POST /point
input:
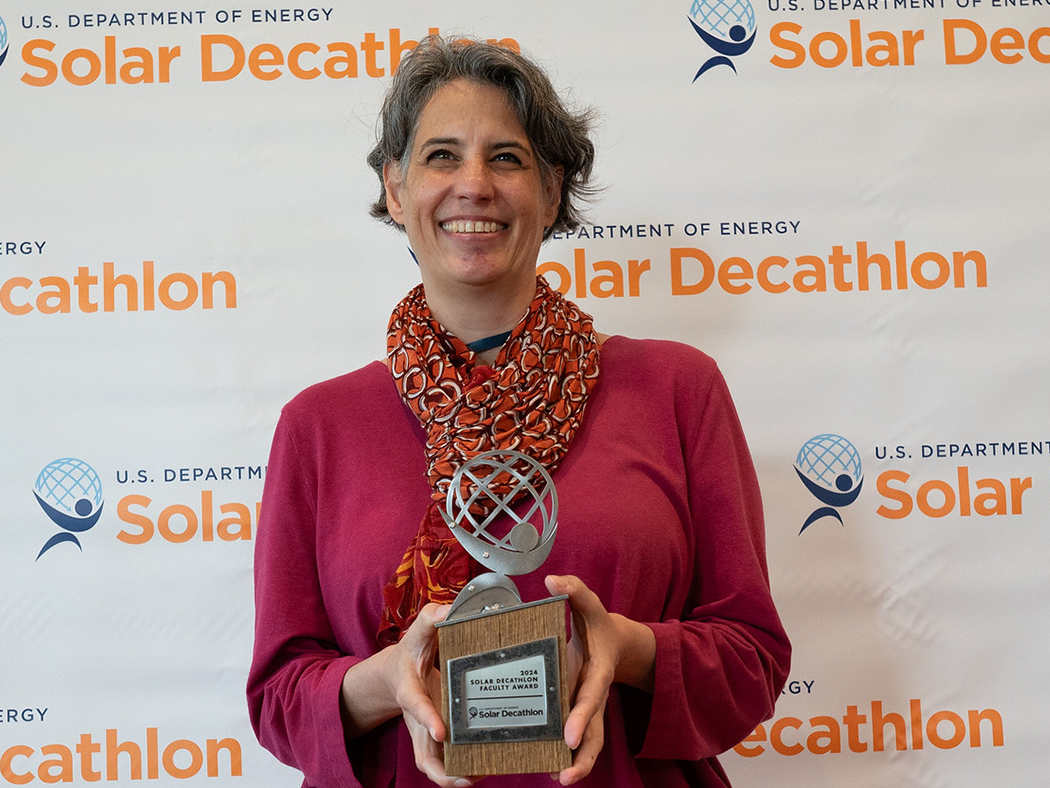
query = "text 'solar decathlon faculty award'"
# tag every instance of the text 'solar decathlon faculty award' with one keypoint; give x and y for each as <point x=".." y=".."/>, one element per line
<point x="503" y="692"/>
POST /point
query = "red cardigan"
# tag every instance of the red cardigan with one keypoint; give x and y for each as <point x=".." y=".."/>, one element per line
<point x="659" y="514"/>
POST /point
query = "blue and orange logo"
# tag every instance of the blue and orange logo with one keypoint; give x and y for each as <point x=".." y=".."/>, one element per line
<point x="3" y="40"/>
<point x="70" y="493"/>
<point x="727" y="26"/>
<point x="829" y="467"/>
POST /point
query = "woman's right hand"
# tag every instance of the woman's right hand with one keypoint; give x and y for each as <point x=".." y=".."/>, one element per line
<point x="411" y="674"/>
<point x="404" y="679"/>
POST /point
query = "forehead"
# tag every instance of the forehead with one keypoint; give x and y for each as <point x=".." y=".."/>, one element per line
<point x="461" y="109"/>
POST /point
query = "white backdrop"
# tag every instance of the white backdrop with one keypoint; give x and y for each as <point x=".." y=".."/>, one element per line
<point x="849" y="214"/>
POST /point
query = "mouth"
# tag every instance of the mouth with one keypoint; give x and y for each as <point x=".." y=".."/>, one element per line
<point x="459" y="226"/>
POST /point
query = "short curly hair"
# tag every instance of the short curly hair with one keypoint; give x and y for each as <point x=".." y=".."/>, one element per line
<point x="560" y="137"/>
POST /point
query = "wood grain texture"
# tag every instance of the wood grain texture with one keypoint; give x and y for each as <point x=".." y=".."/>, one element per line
<point x="488" y="633"/>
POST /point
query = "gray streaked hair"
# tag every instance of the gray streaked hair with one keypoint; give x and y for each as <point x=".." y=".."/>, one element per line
<point x="559" y="136"/>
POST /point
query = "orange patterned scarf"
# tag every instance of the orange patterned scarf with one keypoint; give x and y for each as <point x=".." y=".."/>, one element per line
<point x="532" y="401"/>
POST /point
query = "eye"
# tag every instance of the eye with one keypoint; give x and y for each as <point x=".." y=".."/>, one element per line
<point x="439" y="155"/>
<point x="507" y="158"/>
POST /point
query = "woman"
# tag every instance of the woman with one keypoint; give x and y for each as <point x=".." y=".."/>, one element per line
<point x="660" y="546"/>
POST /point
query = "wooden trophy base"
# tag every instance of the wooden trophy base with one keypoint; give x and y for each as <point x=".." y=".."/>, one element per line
<point x="486" y="639"/>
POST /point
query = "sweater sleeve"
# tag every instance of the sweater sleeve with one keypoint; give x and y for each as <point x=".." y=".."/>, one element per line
<point x="297" y="669"/>
<point x="720" y="669"/>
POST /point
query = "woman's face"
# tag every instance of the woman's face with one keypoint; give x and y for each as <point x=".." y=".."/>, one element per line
<point x="472" y="200"/>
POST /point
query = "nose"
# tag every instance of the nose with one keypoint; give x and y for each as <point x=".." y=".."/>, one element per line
<point x="475" y="180"/>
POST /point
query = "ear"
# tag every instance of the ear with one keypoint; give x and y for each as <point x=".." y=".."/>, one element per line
<point x="392" y="184"/>
<point x="552" y="193"/>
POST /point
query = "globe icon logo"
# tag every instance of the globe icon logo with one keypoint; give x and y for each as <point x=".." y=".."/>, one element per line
<point x="70" y="493"/>
<point x="830" y="468"/>
<point x="727" y="26"/>
<point x="830" y="460"/>
<point x="729" y="20"/>
<point x="3" y="40"/>
<point x="503" y="509"/>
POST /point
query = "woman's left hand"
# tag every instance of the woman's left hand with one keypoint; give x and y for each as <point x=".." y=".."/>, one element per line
<point x="604" y="647"/>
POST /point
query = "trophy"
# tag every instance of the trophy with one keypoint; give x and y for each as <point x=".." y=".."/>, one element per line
<point x="503" y="693"/>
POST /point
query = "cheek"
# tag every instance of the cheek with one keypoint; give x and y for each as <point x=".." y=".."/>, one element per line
<point x="420" y="196"/>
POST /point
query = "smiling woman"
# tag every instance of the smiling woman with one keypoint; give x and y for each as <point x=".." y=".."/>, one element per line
<point x="676" y="652"/>
<point x="475" y="208"/>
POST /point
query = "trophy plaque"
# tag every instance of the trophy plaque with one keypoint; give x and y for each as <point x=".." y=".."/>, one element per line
<point x="503" y="692"/>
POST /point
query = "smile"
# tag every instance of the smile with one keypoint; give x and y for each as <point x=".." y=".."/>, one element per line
<point x="472" y="227"/>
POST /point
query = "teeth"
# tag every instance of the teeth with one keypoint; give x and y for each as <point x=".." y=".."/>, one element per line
<point x="471" y="227"/>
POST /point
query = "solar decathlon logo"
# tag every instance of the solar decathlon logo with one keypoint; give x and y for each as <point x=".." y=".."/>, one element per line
<point x="726" y="26"/>
<point x="70" y="493"/>
<point x="3" y="40"/>
<point x="829" y="466"/>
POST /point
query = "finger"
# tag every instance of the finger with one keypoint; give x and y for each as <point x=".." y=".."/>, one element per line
<point x="418" y="647"/>
<point x="421" y="635"/>
<point x="580" y="596"/>
<point x="591" y="697"/>
<point x="576" y="726"/>
<point x="417" y="705"/>
<point x="555" y="584"/>
<point x="564" y="584"/>
<point x="579" y="606"/>
<point x="430" y="761"/>
<point x="587" y="753"/>
<point x="422" y="700"/>
<point x="432" y="613"/>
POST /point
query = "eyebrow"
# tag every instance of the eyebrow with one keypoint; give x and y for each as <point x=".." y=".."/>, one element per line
<point x="503" y="145"/>
<point x="439" y="141"/>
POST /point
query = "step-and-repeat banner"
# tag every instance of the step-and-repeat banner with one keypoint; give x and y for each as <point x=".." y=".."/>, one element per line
<point x="844" y="201"/>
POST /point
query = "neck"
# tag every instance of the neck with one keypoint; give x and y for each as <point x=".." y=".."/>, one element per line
<point x="479" y="313"/>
